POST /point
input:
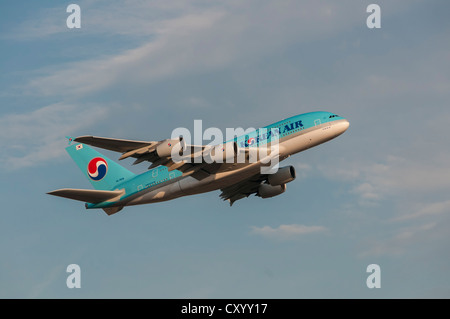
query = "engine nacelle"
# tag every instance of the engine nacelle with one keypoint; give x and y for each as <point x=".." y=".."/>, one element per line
<point x="284" y="175"/>
<point x="266" y="190"/>
<point x="164" y="149"/>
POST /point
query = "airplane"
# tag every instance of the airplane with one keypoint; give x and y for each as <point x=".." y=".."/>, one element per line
<point x="172" y="175"/>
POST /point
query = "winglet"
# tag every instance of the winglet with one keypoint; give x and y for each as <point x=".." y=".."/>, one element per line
<point x="70" y="139"/>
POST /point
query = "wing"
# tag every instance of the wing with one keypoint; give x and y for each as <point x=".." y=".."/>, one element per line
<point x="243" y="188"/>
<point x="158" y="153"/>
<point x="112" y="144"/>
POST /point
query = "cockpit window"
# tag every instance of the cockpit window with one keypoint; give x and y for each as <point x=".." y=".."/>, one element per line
<point x="334" y="115"/>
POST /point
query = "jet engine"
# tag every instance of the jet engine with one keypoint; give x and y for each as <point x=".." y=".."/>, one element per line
<point x="164" y="149"/>
<point x="266" y="190"/>
<point x="282" y="176"/>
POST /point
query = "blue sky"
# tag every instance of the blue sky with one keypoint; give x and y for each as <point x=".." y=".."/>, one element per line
<point x="138" y="69"/>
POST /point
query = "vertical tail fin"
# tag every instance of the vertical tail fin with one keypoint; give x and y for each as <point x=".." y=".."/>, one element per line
<point x="102" y="172"/>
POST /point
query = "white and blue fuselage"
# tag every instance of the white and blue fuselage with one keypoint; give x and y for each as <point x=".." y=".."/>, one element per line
<point x="294" y="134"/>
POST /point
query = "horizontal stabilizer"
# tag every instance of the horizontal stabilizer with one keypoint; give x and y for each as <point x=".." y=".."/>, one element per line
<point x="88" y="195"/>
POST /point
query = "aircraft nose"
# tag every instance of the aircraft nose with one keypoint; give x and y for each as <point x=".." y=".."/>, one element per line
<point x="343" y="126"/>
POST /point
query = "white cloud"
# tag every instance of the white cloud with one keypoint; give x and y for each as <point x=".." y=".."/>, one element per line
<point x="399" y="243"/>
<point x="366" y="191"/>
<point x="132" y="18"/>
<point x="31" y="138"/>
<point x="175" y="50"/>
<point x="194" y="37"/>
<point x="47" y="22"/>
<point x="391" y="176"/>
<point x="49" y="279"/>
<point x="427" y="210"/>
<point x="286" y="232"/>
